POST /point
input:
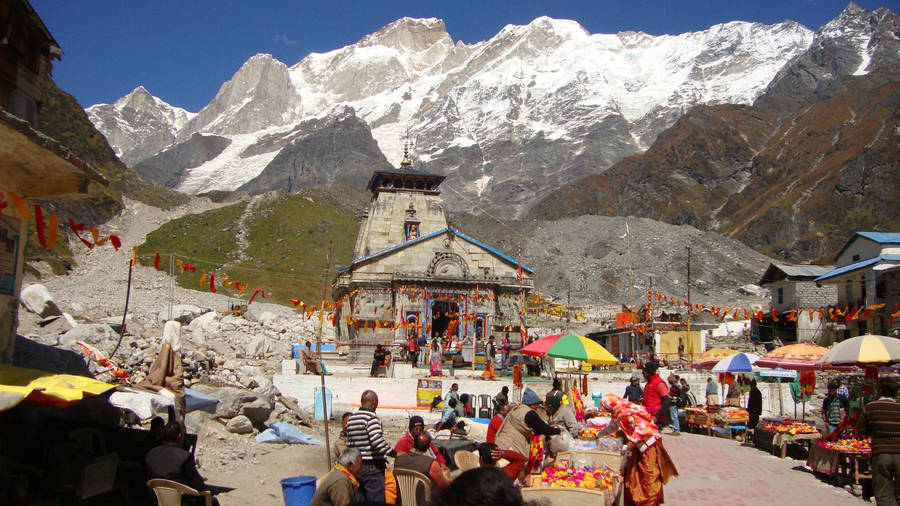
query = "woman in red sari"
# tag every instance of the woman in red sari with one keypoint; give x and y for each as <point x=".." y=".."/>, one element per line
<point x="651" y="467"/>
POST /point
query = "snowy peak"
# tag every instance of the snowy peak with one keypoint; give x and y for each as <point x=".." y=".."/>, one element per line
<point x="259" y="95"/>
<point x="409" y="34"/>
<point x="141" y="100"/>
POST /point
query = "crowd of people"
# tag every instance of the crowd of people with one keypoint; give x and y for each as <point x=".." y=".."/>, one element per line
<point x="506" y="454"/>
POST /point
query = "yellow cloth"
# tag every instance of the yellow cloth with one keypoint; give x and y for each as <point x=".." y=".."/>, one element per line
<point x="17" y="383"/>
<point x="390" y="488"/>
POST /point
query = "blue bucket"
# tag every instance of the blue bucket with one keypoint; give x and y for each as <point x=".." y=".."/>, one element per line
<point x="298" y="490"/>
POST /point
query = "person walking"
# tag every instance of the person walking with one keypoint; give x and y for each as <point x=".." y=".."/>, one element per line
<point x="674" y="399"/>
<point x="881" y="420"/>
<point x="366" y="433"/>
<point x="834" y="408"/>
<point x="504" y="353"/>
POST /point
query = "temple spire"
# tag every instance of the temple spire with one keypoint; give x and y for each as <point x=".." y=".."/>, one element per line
<point x="406" y="164"/>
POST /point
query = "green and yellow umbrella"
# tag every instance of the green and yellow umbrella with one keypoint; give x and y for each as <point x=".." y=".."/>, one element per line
<point x="571" y="347"/>
<point x="867" y="350"/>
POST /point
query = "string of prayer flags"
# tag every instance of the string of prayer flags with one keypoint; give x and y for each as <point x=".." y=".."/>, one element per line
<point x="156" y="261"/>
<point x="21" y="205"/>
<point x="212" y="282"/>
<point x="134" y="256"/>
<point x="258" y="291"/>
<point x="48" y="241"/>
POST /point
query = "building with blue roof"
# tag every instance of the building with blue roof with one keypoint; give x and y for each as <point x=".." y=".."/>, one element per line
<point x="867" y="276"/>
<point x="413" y="275"/>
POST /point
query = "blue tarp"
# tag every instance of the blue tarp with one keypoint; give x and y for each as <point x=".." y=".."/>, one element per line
<point x="283" y="432"/>
<point x="194" y="400"/>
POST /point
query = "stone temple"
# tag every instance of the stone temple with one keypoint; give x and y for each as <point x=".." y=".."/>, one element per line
<point x="413" y="275"/>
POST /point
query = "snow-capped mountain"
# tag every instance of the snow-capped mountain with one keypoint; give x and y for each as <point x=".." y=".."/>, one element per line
<point x="506" y="120"/>
<point x="138" y="125"/>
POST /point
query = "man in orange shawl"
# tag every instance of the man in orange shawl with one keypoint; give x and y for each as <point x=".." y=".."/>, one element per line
<point x="651" y="467"/>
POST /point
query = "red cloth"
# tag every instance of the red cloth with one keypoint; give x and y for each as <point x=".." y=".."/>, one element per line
<point x="655" y="390"/>
<point x="493" y="427"/>
<point x="405" y="445"/>
<point x="516" y="464"/>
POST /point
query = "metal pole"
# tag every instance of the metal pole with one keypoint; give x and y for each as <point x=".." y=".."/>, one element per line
<point x="690" y="342"/>
<point x="319" y="352"/>
<point x="171" y="284"/>
<point x="125" y="314"/>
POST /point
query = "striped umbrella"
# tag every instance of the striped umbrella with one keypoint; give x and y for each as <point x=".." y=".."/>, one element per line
<point x="713" y="356"/>
<point x="798" y="356"/>
<point x="572" y="347"/>
<point x="867" y="350"/>
<point x="739" y="362"/>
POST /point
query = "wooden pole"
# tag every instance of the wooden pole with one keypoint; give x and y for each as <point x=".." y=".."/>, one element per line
<point x="319" y="352"/>
<point x="690" y="343"/>
<point x="125" y="314"/>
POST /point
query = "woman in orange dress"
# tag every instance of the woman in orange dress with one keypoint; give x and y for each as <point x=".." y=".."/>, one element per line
<point x="651" y="467"/>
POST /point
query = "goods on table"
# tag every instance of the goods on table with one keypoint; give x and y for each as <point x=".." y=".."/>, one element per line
<point x="789" y="427"/>
<point x="728" y="414"/>
<point x="589" y="477"/>
<point x="862" y="446"/>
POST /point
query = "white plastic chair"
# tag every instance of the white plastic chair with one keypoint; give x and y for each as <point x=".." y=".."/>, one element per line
<point x="409" y="485"/>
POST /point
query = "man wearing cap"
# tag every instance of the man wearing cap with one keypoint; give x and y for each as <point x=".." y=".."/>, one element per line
<point x="406" y="443"/>
<point x="633" y="392"/>
<point x="655" y="392"/>
<point x="522" y="423"/>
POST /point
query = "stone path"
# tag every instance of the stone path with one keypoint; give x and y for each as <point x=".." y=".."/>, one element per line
<point x="715" y="471"/>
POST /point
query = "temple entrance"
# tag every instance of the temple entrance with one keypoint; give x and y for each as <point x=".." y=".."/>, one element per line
<point x="444" y="320"/>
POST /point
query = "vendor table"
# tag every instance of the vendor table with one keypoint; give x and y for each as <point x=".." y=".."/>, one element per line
<point x="777" y="442"/>
<point x="564" y="496"/>
<point x="829" y="461"/>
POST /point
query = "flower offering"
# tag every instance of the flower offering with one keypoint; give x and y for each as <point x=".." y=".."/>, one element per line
<point x="848" y="445"/>
<point x="602" y="478"/>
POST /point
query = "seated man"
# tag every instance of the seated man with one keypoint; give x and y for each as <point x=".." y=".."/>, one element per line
<point x="448" y="415"/>
<point x="496" y="422"/>
<point x="378" y="359"/>
<point x="489" y="454"/>
<point x="339" y="486"/>
<point x="340" y="443"/>
<point x="405" y="444"/>
<point x="564" y="416"/>
<point x="311" y="363"/>
<point x="417" y="460"/>
<point x="170" y="461"/>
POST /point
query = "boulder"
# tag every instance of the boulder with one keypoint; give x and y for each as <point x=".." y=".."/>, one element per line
<point x="230" y="399"/>
<point x="239" y="425"/>
<point x="258" y="346"/>
<point x="755" y="290"/>
<point x="182" y="313"/>
<point x="100" y="335"/>
<point x="37" y="299"/>
<point x="290" y="367"/>
<point x="268" y="318"/>
<point x="207" y="322"/>
<point x="258" y="410"/>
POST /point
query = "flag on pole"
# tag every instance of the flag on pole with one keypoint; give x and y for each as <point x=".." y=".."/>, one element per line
<point x="519" y="268"/>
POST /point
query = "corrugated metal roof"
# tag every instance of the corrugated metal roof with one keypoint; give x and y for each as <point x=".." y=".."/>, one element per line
<point x="878" y="237"/>
<point x="858" y="265"/>
<point x="805" y="270"/>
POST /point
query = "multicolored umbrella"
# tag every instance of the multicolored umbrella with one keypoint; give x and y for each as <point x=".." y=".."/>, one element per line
<point x="572" y="347"/>
<point x="739" y="362"/>
<point x="800" y="356"/>
<point x="867" y="350"/>
<point x="713" y="356"/>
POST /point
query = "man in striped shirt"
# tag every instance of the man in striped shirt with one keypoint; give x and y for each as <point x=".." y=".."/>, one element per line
<point x="881" y="420"/>
<point x="366" y="434"/>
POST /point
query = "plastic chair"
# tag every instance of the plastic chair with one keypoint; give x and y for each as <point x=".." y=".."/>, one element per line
<point x="485" y="406"/>
<point x="168" y="492"/>
<point x="410" y="484"/>
<point x="466" y="460"/>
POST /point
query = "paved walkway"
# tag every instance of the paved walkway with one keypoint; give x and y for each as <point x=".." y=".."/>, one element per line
<point x="714" y="471"/>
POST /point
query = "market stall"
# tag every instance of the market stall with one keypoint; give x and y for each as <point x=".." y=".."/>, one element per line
<point x="710" y="420"/>
<point x="564" y="484"/>
<point x="774" y="436"/>
<point x="847" y="457"/>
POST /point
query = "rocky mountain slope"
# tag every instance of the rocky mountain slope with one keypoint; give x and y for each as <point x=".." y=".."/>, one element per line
<point x="507" y="119"/>
<point x="814" y="160"/>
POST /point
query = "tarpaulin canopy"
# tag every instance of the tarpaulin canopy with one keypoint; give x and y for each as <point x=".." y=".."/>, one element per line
<point x="18" y="384"/>
<point x="800" y="356"/>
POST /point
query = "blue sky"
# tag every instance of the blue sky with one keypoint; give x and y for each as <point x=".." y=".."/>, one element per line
<point x="182" y="51"/>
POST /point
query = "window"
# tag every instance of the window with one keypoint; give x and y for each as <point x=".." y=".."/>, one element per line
<point x="781" y="295"/>
<point x="855" y="258"/>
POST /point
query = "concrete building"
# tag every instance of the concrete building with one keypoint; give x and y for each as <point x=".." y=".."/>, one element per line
<point x="414" y="275"/>
<point x="32" y="165"/>
<point x="794" y="287"/>
<point x="866" y="278"/>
